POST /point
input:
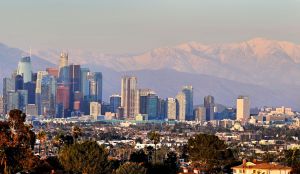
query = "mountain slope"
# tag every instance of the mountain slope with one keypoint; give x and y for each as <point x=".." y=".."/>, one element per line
<point x="167" y="83"/>
<point x="266" y="70"/>
<point x="258" y="61"/>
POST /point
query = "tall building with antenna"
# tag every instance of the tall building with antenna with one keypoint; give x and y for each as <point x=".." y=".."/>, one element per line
<point x="63" y="68"/>
<point x="25" y="69"/>
<point x="64" y="60"/>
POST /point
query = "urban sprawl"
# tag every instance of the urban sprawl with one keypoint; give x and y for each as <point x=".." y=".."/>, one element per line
<point x="62" y="110"/>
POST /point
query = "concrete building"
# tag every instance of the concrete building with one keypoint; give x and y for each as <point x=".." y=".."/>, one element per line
<point x="31" y="110"/>
<point x="242" y="108"/>
<point x="129" y="97"/>
<point x="200" y="114"/>
<point x="40" y="75"/>
<point x="181" y="105"/>
<point x="95" y="109"/>
<point x="8" y="85"/>
<point x="1" y="105"/>
<point x="171" y="108"/>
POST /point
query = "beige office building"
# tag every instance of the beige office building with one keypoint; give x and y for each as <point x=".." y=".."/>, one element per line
<point x="200" y="114"/>
<point x="171" y="109"/>
<point x="243" y="108"/>
<point x="95" y="109"/>
<point x="181" y="100"/>
<point x="130" y="97"/>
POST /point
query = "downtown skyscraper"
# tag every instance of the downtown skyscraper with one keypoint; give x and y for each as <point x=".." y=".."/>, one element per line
<point x="209" y="104"/>
<point x="63" y="68"/>
<point x="189" y="104"/>
<point x="181" y="106"/>
<point x="25" y="69"/>
<point x="129" y="97"/>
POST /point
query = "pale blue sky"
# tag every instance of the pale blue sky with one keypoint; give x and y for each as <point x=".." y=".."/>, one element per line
<point x="129" y="26"/>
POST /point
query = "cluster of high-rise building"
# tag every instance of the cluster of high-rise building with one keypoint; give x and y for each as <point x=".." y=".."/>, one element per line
<point x="72" y="90"/>
<point x="55" y="92"/>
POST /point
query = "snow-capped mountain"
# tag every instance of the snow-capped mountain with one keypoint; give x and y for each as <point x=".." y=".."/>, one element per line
<point x="266" y="70"/>
<point x="257" y="61"/>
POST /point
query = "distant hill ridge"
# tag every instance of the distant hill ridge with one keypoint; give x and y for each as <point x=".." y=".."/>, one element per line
<point x="267" y="70"/>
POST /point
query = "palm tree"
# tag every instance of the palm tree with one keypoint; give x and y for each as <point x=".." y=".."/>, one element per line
<point x="58" y="140"/>
<point x="76" y="132"/>
<point x="42" y="136"/>
<point x="155" y="137"/>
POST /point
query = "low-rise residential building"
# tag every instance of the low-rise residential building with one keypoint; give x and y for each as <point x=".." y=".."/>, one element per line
<point x="261" y="168"/>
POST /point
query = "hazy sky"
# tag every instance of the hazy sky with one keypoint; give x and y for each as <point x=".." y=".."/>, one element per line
<point x="128" y="26"/>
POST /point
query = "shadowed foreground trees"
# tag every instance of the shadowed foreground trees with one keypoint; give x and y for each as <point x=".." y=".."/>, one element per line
<point x="155" y="138"/>
<point x="131" y="168"/>
<point x="86" y="157"/>
<point x="16" y="144"/>
<point x="292" y="158"/>
<point x="209" y="152"/>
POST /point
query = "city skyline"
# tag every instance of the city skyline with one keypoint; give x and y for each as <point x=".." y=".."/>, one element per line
<point x="150" y="87"/>
<point x="70" y="90"/>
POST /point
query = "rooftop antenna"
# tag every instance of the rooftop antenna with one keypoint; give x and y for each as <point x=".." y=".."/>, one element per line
<point x="30" y="51"/>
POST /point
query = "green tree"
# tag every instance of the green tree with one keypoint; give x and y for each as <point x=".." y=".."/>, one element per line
<point x="209" y="151"/>
<point x="86" y="157"/>
<point x="76" y="132"/>
<point x="172" y="162"/>
<point x="292" y="158"/>
<point x="155" y="138"/>
<point x="131" y="168"/>
<point x="16" y="144"/>
<point x="139" y="157"/>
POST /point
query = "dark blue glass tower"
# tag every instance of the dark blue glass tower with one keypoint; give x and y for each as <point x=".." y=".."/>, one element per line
<point x="115" y="102"/>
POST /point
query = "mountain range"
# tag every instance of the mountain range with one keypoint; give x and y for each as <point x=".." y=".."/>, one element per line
<point x="266" y="70"/>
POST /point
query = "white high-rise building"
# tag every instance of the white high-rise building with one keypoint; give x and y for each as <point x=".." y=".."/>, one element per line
<point x="171" y="109"/>
<point x="95" y="109"/>
<point x="181" y="101"/>
<point x="129" y="97"/>
<point x="25" y="69"/>
<point x="242" y="108"/>
<point x="40" y="75"/>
